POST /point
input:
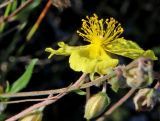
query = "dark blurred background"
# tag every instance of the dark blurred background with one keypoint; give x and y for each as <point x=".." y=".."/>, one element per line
<point x="140" y="20"/>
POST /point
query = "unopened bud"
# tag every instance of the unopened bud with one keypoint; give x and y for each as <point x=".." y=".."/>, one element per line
<point x="145" y="99"/>
<point x="2" y="105"/>
<point x="35" y="116"/>
<point x="140" y="75"/>
<point x="96" y="105"/>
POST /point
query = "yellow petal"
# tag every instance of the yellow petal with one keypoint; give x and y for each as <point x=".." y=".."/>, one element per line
<point x="64" y="49"/>
<point x="128" y="49"/>
<point x="51" y="51"/>
<point x="81" y="60"/>
<point x="150" y="54"/>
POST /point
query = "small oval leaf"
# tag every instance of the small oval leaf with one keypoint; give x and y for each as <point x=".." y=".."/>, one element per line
<point x="23" y="80"/>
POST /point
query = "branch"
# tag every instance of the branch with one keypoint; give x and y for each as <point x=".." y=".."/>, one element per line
<point x="86" y="85"/>
<point x="77" y="85"/>
<point x="25" y="4"/>
<point x="157" y="86"/>
<point x="56" y="91"/>
<point x="35" y="106"/>
<point x="39" y="20"/>
<point x="48" y="101"/>
<point x="5" y="3"/>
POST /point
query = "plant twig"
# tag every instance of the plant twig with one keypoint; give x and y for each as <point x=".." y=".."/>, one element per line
<point x="80" y="81"/>
<point x="5" y="3"/>
<point x="88" y="84"/>
<point x="25" y="100"/>
<point x="25" y="4"/>
<point x="48" y="101"/>
<point x="77" y="84"/>
<point x="39" y="20"/>
<point x="40" y="93"/>
<point x="35" y="106"/>
<point x="87" y="91"/>
<point x="157" y="85"/>
<point x="116" y="105"/>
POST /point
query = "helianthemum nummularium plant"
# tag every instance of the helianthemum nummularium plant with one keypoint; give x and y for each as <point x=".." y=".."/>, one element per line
<point x="104" y="41"/>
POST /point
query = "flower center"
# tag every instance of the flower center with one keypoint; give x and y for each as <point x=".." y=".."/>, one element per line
<point x="100" y="32"/>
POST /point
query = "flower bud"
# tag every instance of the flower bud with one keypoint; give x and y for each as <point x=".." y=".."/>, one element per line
<point x="96" y="105"/>
<point x="2" y="105"/>
<point x="145" y="99"/>
<point x="140" y="75"/>
<point x="35" y="116"/>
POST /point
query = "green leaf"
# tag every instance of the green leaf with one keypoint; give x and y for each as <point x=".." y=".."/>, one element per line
<point x="7" y="87"/>
<point x="3" y="117"/>
<point x="14" y="5"/>
<point x="79" y="92"/>
<point x="22" y="82"/>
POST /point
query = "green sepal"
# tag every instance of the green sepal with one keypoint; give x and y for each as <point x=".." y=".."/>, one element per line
<point x="79" y="92"/>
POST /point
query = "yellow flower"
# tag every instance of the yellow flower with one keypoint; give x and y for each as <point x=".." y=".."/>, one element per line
<point x="104" y="41"/>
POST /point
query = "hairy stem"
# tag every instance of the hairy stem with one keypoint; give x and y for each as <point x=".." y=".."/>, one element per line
<point x="56" y="91"/>
<point x="46" y="102"/>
